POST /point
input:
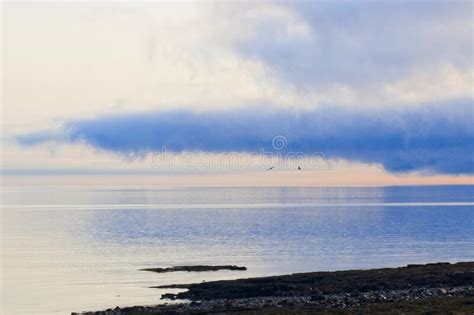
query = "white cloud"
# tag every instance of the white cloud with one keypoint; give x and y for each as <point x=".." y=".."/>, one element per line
<point x="436" y="84"/>
<point x="71" y="60"/>
<point x="439" y="83"/>
<point x="75" y="60"/>
<point x="64" y="60"/>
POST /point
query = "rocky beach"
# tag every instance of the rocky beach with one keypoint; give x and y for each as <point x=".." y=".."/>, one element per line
<point x="413" y="289"/>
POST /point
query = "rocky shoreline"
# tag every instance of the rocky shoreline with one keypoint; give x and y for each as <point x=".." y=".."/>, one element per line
<point x="196" y="268"/>
<point x="439" y="287"/>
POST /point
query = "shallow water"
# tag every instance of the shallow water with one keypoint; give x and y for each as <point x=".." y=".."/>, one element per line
<point x="76" y="248"/>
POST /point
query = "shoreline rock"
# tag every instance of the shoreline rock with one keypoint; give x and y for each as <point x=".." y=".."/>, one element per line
<point x="343" y="303"/>
<point x="414" y="288"/>
<point x="301" y="284"/>
<point x="196" y="268"/>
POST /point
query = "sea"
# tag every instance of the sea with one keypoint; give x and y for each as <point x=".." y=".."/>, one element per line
<point x="81" y="248"/>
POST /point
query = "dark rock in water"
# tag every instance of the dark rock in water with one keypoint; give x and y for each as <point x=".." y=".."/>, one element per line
<point x="197" y="268"/>
<point x="171" y="286"/>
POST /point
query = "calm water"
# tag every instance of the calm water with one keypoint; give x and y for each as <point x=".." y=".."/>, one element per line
<point x="79" y="248"/>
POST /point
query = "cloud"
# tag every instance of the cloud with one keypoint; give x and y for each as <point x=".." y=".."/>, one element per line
<point x="157" y="56"/>
<point x="230" y="76"/>
<point x="438" y="138"/>
<point x="360" y="43"/>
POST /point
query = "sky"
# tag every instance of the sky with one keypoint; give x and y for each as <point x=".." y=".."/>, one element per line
<point x="353" y="92"/>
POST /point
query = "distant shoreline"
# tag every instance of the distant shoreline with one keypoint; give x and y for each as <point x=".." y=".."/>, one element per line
<point x="439" y="287"/>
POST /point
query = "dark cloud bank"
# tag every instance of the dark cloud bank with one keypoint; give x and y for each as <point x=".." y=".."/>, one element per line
<point x="435" y="138"/>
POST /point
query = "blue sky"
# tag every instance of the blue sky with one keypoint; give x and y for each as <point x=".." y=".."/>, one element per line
<point x="372" y="83"/>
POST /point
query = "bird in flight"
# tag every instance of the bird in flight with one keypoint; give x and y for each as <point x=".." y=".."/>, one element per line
<point x="270" y="168"/>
